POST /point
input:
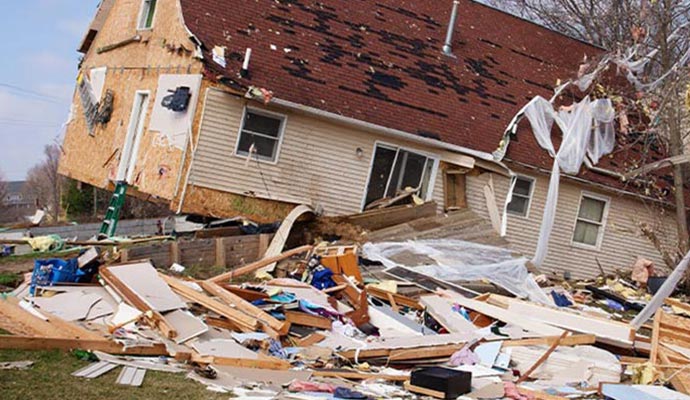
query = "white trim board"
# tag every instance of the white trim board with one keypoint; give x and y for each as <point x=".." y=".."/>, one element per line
<point x="530" y="325"/>
<point x="614" y="331"/>
<point x="443" y="312"/>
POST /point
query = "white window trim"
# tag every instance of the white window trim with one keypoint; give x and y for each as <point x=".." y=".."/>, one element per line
<point x="432" y="177"/>
<point x="126" y="169"/>
<point x="529" y="199"/>
<point x="281" y="134"/>
<point x="141" y="14"/>
<point x="602" y="227"/>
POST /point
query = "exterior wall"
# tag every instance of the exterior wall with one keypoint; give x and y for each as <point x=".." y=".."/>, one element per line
<point x="622" y="241"/>
<point x="317" y="163"/>
<point x="136" y="66"/>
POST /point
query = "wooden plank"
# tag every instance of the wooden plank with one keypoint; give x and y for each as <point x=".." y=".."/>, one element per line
<point x="242" y="320"/>
<point x="517" y="319"/>
<point x="654" y="351"/>
<point x="220" y="252"/>
<point x="541" y="359"/>
<point x="614" y="331"/>
<point x="264" y="362"/>
<point x="247" y="294"/>
<point x="15" y="319"/>
<point x="246" y="307"/>
<point x="442" y="311"/>
<point x="373" y="220"/>
<point x="311" y="340"/>
<point x="356" y="375"/>
<point x="424" y="391"/>
<point x="59" y="343"/>
<point x="304" y="319"/>
<point x="572" y="340"/>
<point x="157" y="320"/>
<point x="252" y="267"/>
<point x="399" y="299"/>
<point x="264" y="242"/>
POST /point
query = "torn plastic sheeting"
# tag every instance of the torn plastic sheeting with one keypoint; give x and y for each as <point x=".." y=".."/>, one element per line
<point x="457" y="260"/>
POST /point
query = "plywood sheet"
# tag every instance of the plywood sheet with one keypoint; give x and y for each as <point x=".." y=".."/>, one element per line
<point x="143" y="280"/>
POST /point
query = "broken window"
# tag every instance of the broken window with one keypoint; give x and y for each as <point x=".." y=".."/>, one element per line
<point x="148" y="10"/>
<point x="260" y="135"/>
<point x="591" y="218"/>
<point x="522" y="196"/>
<point x="394" y="170"/>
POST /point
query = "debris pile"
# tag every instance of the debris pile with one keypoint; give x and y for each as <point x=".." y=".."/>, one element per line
<point x="385" y="320"/>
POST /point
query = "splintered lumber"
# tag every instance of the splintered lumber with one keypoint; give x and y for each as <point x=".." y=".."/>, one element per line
<point x="246" y="307"/>
<point x="400" y="300"/>
<point x="304" y="319"/>
<point x="137" y="302"/>
<point x="249" y="268"/>
<point x="245" y="322"/>
<point x="541" y="359"/>
<point x="107" y="346"/>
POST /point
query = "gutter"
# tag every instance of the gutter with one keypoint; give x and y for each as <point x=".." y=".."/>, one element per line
<point x="388" y="131"/>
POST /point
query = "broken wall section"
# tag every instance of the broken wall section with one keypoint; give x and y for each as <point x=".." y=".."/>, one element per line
<point x="93" y="156"/>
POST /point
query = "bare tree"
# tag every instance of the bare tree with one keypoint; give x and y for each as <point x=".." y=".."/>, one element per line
<point x="653" y="33"/>
<point x="44" y="184"/>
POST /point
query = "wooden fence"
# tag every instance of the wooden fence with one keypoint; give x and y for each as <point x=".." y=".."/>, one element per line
<point x="223" y="251"/>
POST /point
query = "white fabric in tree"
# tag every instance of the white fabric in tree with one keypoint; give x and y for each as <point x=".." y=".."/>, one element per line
<point x="587" y="129"/>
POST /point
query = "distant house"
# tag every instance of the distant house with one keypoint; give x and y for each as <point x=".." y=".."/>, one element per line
<point x="16" y="204"/>
<point x="249" y="107"/>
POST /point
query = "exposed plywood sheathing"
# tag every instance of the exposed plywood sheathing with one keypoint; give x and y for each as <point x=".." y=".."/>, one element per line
<point x="130" y="68"/>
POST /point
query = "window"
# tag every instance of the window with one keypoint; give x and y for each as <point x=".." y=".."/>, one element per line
<point x="591" y="218"/>
<point x="260" y="135"/>
<point x="148" y="10"/>
<point x="522" y="196"/>
<point x="394" y="169"/>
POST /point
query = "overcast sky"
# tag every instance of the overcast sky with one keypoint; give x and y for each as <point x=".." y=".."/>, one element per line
<point x="37" y="74"/>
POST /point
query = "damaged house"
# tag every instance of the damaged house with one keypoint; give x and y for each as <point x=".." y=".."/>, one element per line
<point x="250" y="107"/>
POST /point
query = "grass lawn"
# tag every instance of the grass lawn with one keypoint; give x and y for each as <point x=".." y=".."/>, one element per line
<point x="49" y="378"/>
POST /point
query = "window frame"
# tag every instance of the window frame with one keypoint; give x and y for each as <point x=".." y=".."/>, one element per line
<point x="533" y="183"/>
<point x="432" y="177"/>
<point x="140" y="18"/>
<point x="602" y="224"/>
<point x="279" y="140"/>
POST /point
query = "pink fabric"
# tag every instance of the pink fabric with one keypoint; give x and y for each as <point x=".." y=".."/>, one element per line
<point x="303" y="386"/>
<point x="512" y="392"/>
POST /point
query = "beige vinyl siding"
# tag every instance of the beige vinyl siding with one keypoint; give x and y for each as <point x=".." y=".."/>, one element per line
<point x="317" y="162"/>
<point x="622" y="241"/>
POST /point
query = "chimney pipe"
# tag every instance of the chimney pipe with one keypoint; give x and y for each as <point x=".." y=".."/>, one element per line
<point x="244" y="72"/>
<point x="447" y="49"/>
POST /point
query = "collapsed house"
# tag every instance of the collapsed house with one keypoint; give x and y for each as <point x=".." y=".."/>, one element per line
<point x="251" y="108"/>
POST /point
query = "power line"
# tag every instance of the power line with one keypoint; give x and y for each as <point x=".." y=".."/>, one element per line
<point x="33" y="94"/>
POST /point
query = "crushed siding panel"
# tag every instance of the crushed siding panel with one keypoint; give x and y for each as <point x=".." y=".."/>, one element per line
<point x="621" y="243"/>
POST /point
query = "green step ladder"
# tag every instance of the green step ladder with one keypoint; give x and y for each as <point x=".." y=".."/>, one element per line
<point x="113" y="213"/>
